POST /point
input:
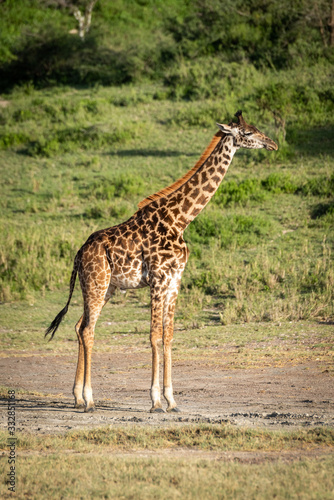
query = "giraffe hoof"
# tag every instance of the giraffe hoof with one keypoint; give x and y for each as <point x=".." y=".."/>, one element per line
<point x="79" y="406"/>
<point x="157" y="410"/>
<point x="90" y="410"/>
<point x="174" y="410"/>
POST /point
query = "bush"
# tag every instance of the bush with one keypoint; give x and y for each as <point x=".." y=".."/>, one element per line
<point x="232" y="192"/>
<point x="133" y="40"/>
<point x="238" y="230"/>
<point x="318" y="186"/>
<point x="87" y="138"/>
<point x="279" y="183"/>
<point x="210" y="77"/>
<point x="121" y="186"/>
<point x="240" y="193"/>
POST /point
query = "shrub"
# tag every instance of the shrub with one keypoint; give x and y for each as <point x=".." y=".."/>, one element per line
<point x="232" y="192"/>
<point x="9" y="139"/>
<point x="279" y="183"/>
<point x="209" y="77"/>
<point x="120" y="186"/>
<point x="318" y="186"/>
<point x="238" y="230"/>
<point x="66" y="140"/>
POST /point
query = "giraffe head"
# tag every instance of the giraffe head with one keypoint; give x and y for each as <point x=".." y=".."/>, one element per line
<point x="247" y="136"/>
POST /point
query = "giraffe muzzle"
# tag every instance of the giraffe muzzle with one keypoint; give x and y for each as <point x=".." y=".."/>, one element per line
<point x="270" y="145"/>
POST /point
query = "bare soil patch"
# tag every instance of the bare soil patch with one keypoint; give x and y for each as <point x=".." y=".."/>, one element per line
<point x="271" y="397"/>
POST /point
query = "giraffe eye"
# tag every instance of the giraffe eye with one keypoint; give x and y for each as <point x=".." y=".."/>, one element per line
<point x="248" y="133"/>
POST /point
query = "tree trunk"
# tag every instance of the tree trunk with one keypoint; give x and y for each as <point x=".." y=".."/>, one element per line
<point x="332" y="25"/>
<point x="84" y="20"/>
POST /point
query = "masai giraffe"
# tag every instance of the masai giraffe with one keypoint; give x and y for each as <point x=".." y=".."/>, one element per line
<point x="149" y="250"/>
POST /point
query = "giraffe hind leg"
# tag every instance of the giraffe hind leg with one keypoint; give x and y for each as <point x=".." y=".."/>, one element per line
<point x="86" y="332"/>
<point x="85" y="329"/>
<point x="158" y="293"/>
<point x="80" y="372"/>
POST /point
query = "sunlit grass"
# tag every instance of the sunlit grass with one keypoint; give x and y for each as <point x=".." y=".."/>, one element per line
<point x="107" y="476"/>
<point x="113" y="463"/>
<point x="261" y="251"/>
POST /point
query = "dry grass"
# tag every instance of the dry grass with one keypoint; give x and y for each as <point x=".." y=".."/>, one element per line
<point x="200" y="436"/>
<point x="105" y="475"/>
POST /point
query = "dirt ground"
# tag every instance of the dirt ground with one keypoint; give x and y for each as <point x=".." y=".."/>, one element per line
<point x="270" y="397"/>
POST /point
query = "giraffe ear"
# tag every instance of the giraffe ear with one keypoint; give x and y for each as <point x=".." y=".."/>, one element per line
<point x="227" y="129"/>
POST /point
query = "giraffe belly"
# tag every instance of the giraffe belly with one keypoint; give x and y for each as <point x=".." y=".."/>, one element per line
<point x="130" y="278"/>
<point x="126" y="284"/>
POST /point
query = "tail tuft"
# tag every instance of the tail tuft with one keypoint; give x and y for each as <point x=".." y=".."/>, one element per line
<point x="58" y="319"/>
<point x="56" y="322"/>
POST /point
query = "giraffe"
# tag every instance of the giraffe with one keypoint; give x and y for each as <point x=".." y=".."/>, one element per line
<point x="149" y="250"/>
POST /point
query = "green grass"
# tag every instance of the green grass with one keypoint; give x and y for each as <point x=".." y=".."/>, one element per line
<point x="261" y="250"/>
<point x="200" y="335"/>
<point x="201" y="437"/>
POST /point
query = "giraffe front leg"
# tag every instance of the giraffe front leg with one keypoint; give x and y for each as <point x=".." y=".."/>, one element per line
<point x="168" y="386"/>
<point x="155" y="385"/>
<point x="87" y="390"/>
<point x="168" y="320"/>
<point x="156" y="338"/>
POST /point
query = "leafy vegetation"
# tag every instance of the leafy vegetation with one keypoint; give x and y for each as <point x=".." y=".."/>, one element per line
<point x="132" y="40"/>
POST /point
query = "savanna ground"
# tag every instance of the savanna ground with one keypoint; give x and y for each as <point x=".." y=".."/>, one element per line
<point x="253" y="348"/>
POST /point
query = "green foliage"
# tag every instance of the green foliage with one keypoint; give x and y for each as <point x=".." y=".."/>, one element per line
<point x="239" y="230"/>
<point x="199" y="114"/>
<point x="318" y="186"/>
<point x="241" y="193"/>
<point x="278" y="183"/>
<point x="68" y="126"/>
<point x="284" y="96"/>
<point x="120" y="186"/>
<point x="210" y="77"/>
<point x="265" y="33"/>
<point x="27" y="261"/>
<point x="325" y="211"/>
<point x="67" y="140"/>
<point x="188" y="44"/>
<point x="9" y="139"/>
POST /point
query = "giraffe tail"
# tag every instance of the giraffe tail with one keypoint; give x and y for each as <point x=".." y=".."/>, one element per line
<point x="58" y="319"/>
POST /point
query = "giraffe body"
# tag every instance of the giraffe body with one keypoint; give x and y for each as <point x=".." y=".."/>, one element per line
<point x="149" y="250"/>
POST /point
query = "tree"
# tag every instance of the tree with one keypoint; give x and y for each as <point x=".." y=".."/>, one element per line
<point x="332" y="25"/>
<point x="85" y="19"/>
<point x="81" y="10"/>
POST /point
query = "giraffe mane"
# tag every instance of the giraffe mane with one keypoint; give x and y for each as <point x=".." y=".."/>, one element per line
<point x="173" y="187"/>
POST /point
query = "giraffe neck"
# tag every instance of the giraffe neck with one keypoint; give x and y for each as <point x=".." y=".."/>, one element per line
<point x="184" y="204"/>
